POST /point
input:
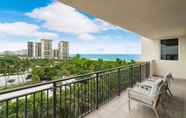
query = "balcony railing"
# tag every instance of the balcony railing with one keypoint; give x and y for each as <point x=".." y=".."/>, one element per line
<point x="70" y="98"/>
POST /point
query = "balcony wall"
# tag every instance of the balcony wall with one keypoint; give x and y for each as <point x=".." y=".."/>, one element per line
<point x="151" y="51"/>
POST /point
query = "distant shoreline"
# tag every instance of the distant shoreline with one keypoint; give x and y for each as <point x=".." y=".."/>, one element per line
<point x="110" y="57"/>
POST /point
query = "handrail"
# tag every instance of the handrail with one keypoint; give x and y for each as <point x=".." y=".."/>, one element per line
<point x="61" y="80"/>
<point x="85" y="94"/>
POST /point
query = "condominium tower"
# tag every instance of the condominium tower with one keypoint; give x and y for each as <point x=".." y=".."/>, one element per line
<point x="30" y="46"/>
<point x="63" y="50"/>
<point x="37" y="50"/>
<point x="46" y="48"/>
<point x="56" y="54"/>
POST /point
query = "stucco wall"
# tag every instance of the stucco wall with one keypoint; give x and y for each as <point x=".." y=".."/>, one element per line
<point x="151" y="51"/>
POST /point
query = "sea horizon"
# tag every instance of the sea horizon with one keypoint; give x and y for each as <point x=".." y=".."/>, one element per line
<point x="110" y="57"/>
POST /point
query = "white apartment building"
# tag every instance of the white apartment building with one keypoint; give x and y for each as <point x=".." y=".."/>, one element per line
<point x="30" y="50"/>
<point x="55" y="53"/>
<point x="46" y="49"/>
<point x="37" y="50"/>
<point x="63" y="50"/>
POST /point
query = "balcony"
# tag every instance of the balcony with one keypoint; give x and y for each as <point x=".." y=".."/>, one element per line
<point x="174" y="107"/>
<point x="73" y="97"/>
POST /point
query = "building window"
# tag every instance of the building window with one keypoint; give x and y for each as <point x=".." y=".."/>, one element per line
<point x="169" y="49"/>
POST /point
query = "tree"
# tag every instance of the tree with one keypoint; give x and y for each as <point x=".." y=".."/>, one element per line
<point x="118" y="62"/>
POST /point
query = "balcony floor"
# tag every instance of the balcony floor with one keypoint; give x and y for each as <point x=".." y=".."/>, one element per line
<point x="174" y="107"/>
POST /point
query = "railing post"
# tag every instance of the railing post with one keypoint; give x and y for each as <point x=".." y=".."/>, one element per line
<point x="145" y="70"/>
<point x="131" y="76"/>
<point x="54" y="100"/>
<point x="140" y="72"/>
<point x="148" y="69"/>
<point x="119" y="81"/>
<point x="97" y="90"/>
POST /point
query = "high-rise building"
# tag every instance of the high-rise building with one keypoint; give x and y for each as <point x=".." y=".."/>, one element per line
<point x="63" y="50"/>
<point x="37" y="50"/>
<point x="46" y="48"/>
<point x="30" y="47"/>
<point x="55" y="53"/>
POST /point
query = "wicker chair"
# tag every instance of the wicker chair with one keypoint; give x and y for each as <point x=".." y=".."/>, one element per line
<point x="148" y="93"/>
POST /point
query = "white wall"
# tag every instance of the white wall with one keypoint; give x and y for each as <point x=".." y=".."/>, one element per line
<point x="151" y="51"/>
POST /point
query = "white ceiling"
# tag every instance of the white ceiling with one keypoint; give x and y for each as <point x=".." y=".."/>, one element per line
<point x="150" y="18"/>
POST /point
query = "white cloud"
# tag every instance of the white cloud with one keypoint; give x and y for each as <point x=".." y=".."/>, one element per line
<point x="85" y="37"/>
<point x="62" y="18"/>
<point x="105" y="48"/>
<point x="4" y="46"/>
<point x="24" y="30"/>
<point x="103" y="25"/>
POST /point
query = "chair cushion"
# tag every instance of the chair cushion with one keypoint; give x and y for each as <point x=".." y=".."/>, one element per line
<point x="146" y="91"/>
<point x="140" y="95"/>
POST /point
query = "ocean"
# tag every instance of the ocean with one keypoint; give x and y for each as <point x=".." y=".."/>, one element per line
<point x="111" y="57"/>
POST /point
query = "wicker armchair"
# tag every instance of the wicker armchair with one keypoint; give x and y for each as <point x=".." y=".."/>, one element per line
<point x="148" y="93"/>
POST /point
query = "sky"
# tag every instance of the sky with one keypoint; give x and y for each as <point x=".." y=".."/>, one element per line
<point x="31" y="20"/>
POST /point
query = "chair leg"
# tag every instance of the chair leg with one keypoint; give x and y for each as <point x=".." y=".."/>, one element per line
<point x="155" y="105"/>
<point x="169" y="91"/>
<point x="129" y="103"/>
<point x="156" y="112"/>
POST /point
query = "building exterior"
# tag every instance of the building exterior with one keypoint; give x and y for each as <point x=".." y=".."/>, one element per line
<point x="55" y="53"/>
<point x="46" y="48"/>
<point x="37" y="50"/>
<point x="30" y="46"/>
<point x="163" y="60"/>
<point x="63" y="50"/>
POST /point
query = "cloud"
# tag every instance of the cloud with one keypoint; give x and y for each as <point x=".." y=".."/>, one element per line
<point x="4" y="46"/>
<point x="110" y="47"/>
<point x="62" y="18"/>
<point x="23" y="29"/>
<point x="85" y="37"/>
<point x="103" y="25"/>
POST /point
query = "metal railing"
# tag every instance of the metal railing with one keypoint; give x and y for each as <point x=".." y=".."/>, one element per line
<point x="70" y="98"/>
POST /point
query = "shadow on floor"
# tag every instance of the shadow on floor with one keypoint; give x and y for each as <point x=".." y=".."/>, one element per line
<point x="173" y="107"/>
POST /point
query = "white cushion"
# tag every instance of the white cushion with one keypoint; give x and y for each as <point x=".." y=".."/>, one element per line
<point x="146" y="91"/>
<point x="140" y="96"/>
